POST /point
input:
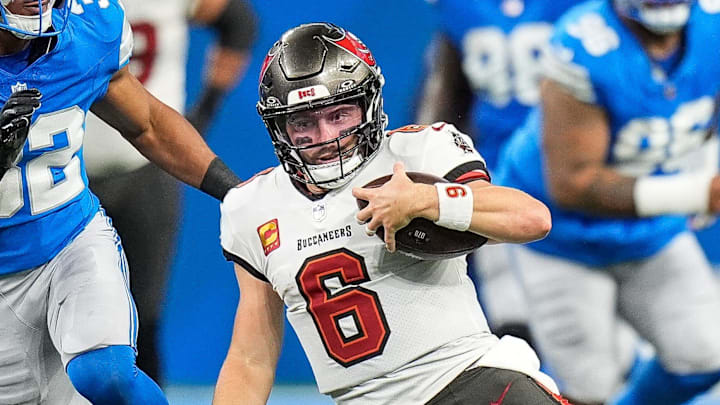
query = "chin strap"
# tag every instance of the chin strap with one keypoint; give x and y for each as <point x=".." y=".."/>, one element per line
<point x="334" y="175"/>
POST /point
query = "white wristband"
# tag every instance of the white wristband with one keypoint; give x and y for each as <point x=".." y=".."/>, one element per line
<point x="672" y="194"/>
<point x="455" y="206"/>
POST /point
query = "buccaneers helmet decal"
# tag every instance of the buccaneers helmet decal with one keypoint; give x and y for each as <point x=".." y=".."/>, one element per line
<point x="353" y="44"/>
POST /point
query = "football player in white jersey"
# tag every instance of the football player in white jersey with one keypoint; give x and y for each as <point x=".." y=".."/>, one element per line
<point x="378" y="326"/>
<point x="147" y="222"/>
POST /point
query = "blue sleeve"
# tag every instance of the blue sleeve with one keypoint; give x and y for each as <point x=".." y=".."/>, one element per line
<point x="583" y="44"/>
<point x="705" y="18"/>
<point x="104" y="24"/>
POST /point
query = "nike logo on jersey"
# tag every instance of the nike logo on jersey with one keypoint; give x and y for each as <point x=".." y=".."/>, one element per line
<point x="502" y="397"/>
<point x="320" y="238"/>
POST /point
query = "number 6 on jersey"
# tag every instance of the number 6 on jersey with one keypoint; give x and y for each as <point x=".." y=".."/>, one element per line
<point x="351" y="323"/>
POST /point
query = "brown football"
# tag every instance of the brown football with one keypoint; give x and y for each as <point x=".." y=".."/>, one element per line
<point x="422" y="238"/>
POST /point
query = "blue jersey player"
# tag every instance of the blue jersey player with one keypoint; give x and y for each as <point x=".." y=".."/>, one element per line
<point x="624" y="150"/>
<point x="66" y="314"/>
<point x="485" y="69"/>
<point x="483" y="76"/>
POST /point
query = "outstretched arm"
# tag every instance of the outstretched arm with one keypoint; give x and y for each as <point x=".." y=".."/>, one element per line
<point x="248" y="372"/>
<point x="162" y="135"/>
<point x="576" y="138"/>
<point x="236" y="27"/>
<point x="499" y="213"/>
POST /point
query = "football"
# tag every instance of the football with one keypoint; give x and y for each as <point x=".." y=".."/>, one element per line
<point x="422" y="238"/>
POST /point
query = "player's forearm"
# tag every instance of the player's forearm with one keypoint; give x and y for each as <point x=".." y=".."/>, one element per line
<point x="235" y="23"/>
<point x="596" y="190"/>
<point x="508" y="215"/>
<point x="499" y="213"/>
<point x="241" y="383"/>
<point x="175" y="146"/>
<point x="249" y="369"/>
<point x="605" y="192"/>
<point x="225" y="68"/>
<point x="162" y="135"/>
<point x="575" y="143"/>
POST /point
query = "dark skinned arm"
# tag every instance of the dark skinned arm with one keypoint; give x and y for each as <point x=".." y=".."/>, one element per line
<point x="576" y="137"/>
<point x="160" y="133"/>
<point x="446" y="93"/>
<point x="235" y="25"/>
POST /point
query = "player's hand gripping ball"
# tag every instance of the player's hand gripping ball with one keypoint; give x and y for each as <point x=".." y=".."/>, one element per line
<point x="422" y="238"/>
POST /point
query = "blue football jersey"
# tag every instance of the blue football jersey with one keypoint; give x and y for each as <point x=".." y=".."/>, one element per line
<point x="501" y="44"/>
<point x="658" y="122"/>
<point x="44" y="200"/>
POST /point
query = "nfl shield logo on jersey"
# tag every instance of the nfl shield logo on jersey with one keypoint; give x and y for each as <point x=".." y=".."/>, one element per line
<point x="18" y="87"/>
<point x="319" y="212"/>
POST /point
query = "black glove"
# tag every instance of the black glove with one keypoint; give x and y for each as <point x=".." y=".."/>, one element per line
<point x="15" y="118"/>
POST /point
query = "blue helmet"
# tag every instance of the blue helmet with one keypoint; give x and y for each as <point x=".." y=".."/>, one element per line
<point x="658" y="16"/>
<point x="36" y="26"/>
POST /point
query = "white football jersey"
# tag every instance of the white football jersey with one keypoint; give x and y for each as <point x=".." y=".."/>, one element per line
<point x="160" y="34"/>
<point x="367" y="319"/>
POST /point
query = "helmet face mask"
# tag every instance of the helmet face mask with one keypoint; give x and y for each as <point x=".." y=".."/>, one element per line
<point x="35" y="25"/>
<point x="657" y="16"/>
<point x="315" y="66"/>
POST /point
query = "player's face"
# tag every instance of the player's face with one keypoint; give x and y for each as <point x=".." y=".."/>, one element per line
<point x="27" y="7"/>
<point x="322" y="126"/>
